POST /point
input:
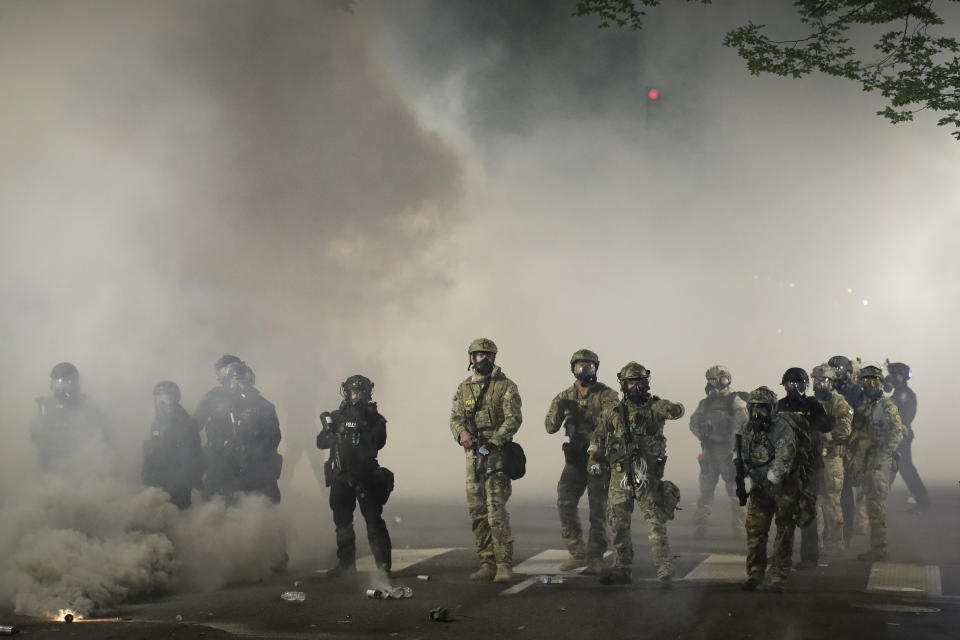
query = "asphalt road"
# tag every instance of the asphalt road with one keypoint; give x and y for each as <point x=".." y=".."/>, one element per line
<point x="915" y="595"/>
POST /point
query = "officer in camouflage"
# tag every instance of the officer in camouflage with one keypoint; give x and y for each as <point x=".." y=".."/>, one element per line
<point x="834" y="443"/>
<point x="577" y="410"/>
<point x="629" y="438"/>
<point x="903" y="396"/>
<point x="485" y="415"/>
<point x="854" y="513"/>
<point x="769" y="453"/>
<point x="715" y="422"/>
<point x="877" y="432"/>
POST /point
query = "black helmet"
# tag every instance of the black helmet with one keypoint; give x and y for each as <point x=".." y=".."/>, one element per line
<point x="65" y="371"/>
<point x="167" y="387"/>
<point x="899" y="369"/>
<point x="842" y="365"/>
<point x="794" y="374"/>
<point x="224" y="360"/>
<point x="360" y="384"/>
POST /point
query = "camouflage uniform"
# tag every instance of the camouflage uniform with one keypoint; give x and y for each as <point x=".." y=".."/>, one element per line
<point x="586" y="408"/>
<point x="716" y="420"/>
<point x="877" y="432"/>
<point x="488" y="488"/>
<point x="611" y="443"/>
<point x="770" y="460"/>
<point x="831" y="475"/>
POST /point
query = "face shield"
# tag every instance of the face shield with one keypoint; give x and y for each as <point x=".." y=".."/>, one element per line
<point x="872" y="387"/>
<point x="761" y="415"/>
<point x="795" y="389"/>
<point x="637" y="389"/>
<point x="585" y="371"/>
<point x="63" y="388"/>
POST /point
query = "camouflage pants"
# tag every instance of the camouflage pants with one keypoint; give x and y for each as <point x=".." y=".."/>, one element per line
<point x="828" y="503"/>
<point x="763" y="508"/>
<point x="573" y="482"/>
<point x="619" y="512"/>
<point x="717" y="462"/>
<point x="487" y="495"/>
<point x="876" y="486"/>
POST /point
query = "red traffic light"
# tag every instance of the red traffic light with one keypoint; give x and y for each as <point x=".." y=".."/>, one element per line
<point x="653" y="94"/>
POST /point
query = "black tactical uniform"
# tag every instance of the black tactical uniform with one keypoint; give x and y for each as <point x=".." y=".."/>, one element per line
<point x="68" y="423"/>
<point x="906" y="401"/>
<point x="172" y="456"/>
<point x="354" y="433"/>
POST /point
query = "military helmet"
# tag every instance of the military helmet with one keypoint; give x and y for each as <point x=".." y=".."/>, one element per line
<point x="482" y="344"/>
<point x="794" y="374"/>
<point x="65" y="371"/>
<point x="224" y="360"/>
<point x="632" y="371"/>
<point x="763" y="395"/>
<point x="585" y="355"/>
<point x="871" y="370"/>
<point x="824" y="371"/>
<point x="359" y="383"/>
<point x="718" y="371"/>
<point x="167" y="387"/>
<point x="841" y="362"/>
<point x="899" y="369"/>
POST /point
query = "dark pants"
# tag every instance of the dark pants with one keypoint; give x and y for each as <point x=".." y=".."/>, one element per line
<point x="343" y="501"/>
<point x="848" y="505"/>
<point x="809" y="544"/>
<point x="909" y="472"/>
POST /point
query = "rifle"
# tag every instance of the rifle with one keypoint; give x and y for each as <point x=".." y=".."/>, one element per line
<point x="741" y="472"/>
<point x="328" y="425"/>
<point x="636" y="471"/>
<point x="479" y="459"/>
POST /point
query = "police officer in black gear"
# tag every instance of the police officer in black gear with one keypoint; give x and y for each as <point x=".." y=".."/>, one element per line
<point x="67" y="422"/>
<point x="853" y="394"/>
<point x="172" y="456"/>
<point x="213" y="416"/>
<point x="903" y="396"/>
<point x="809" y="452"/>
<point x="354" y="433"/>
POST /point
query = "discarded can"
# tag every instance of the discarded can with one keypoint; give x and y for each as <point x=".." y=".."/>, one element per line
<point x="398" y="593"/>
<point x="377" y="594"/>
<point x="8" y="630"/>
<point x="423" y="577"/>
<point x="440" y="614"/>
<point x="551" y="579"/>
<point x="293" y="596"/>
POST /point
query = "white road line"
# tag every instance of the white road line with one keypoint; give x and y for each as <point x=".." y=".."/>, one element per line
<point x="520" y="586"/>
<point x="721" y="567"/>
<point x="401" y="559"/>
<point x="904" y="578"/>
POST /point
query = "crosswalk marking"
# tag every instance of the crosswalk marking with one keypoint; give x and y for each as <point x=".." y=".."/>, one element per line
<point x="520" y="586"/>
<point x="401" y="558"/>
<point x="905" y="578"/>
<point x="545" y="563"/>
<point x="720" y="567"/>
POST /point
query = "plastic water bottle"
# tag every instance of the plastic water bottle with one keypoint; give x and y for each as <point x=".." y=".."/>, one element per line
<point x="398" y="593"/>
<point x="293" y="596"/>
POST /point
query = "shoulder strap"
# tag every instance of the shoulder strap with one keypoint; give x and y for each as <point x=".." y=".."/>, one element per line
<point x="622" y="408"/>
<point x="472" y="417"/>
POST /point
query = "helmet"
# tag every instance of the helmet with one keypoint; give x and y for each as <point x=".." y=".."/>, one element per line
<point x="823" y="371"/>
<point x="357" y="383"/>
<point x="167" y="387"/>
<point x="871" y="370"/>
<point x="632" y="370"/>
<point x="718" y="371"/>
<point x="224" y="360"/>
<point x="794" y="374"/>
<point x="841" y="365"/>
<point x="763" y="395"/>
<point x="585" y="355"/>
<point x="65" y="371"/>
<point x="898" y="369"/>
<point x="482" y="344"/>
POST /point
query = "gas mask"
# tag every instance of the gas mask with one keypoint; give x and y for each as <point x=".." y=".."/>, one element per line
<point x="585" y="371"/>
<point x="761" y="416"/>
<point x="822" y="388"/>
<point x="716" y="385"/>
<point x="63" y="388"/>
<point x="872" y="387"/>
<point x="795" y="389"/>
<point x="163" y="404"/>
<point x="482" y="362"/>
<point x="637" y="390"/>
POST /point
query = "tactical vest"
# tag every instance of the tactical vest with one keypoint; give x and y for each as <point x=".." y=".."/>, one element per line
<point x="717" y="418"/>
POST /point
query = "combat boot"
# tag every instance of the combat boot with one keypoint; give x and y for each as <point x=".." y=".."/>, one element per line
<point x="750" y="585"/>
<point x="504" y="573"/>
<point x="594" y="567"/>
<point x="485" y="573"/>
<point x="873" y="556"/>
<point x="777" y="585"/>
<point x="572" y="563"/>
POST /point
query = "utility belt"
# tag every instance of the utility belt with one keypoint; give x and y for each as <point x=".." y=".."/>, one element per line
<point x="834" y="451"/>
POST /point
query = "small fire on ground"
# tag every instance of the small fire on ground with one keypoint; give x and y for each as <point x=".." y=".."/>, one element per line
<point x="68" y="616"/>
